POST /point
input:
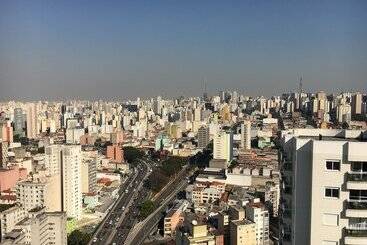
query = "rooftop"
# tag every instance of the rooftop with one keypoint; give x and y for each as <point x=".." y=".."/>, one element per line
<point x="4" y="207"/>
<point x="242" y="222"/>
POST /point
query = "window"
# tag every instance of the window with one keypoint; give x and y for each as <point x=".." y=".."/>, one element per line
<point x="359" y="166"/>
<point x="333" y="165"/>
<point x="332" y="192"/>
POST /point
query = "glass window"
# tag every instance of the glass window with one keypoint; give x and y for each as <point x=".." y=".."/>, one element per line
<point x="333" y="165"/>
<point x="332" y="192"/>
<point x="359" y="166"/>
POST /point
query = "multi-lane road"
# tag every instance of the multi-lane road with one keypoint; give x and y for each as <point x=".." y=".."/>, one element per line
<point x="165" y="197"/>
<point x="121" y="226"/>
<point x="142" y="230"/>
<point x="119" y="220"/>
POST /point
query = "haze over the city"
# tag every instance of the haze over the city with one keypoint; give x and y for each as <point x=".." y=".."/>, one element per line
<point x="124" y="49"/>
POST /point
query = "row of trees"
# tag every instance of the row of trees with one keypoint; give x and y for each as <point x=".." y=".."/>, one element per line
<point x="79" y="238"/>
<point x="161" y="175"/>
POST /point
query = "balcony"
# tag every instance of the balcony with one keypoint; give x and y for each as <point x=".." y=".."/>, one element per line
<point x="355" y="237"/>
<point x="355" y="209"/>
<point x="357" y="181"/>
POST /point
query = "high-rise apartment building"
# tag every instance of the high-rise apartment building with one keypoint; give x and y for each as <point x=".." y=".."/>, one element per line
<point x="257" y="213"/>
<point x="6" y="132"/>
<point x="18" y="122"/>
<point x="40" y="227"/>
<point x="66" y="160"/>
<point x="32" y="120"/>
<point x="246" y="135"/>
<point x="242" y="232"/>
<point x="356" y="105"/>
<point x="3" y="154"/>
<point x="115" y="153"/>
<point x="40" y="193"/>
<point x="324" y="188"/>
<point x="223" y="145"/>
<point x="203" y="137"/>
<point x="89" y="175"/>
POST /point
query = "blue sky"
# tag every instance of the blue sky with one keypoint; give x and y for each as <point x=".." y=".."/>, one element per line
<point x="123" y="49"/>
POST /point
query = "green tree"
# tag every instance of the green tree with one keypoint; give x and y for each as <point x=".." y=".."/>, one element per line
<point x="78" y="238"/>
<point x="146" y="208"/>
<point x="131" y="154"/>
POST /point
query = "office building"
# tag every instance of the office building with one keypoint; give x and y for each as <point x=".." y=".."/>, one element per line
<point x="323" y="190"/>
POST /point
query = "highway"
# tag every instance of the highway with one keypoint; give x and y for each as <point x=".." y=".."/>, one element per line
<point x="142" y="229"/>
<point x="123" y="213"/>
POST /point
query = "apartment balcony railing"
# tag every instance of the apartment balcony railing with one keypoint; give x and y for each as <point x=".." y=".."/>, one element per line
<point x="356" y="205"/>
<point x="356" y="233"/>
<point x="359" y="199"/>
<point x="357" y="176"/>
<point x="362" y="226"/>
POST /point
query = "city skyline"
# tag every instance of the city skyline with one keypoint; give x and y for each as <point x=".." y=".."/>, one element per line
<point x="128" y="50"/>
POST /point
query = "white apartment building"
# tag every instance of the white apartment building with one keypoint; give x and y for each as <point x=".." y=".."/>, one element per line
<point x="10" y="215"/>
<point x="257" y="213"/>
<point x="66" y="161"/>
<point x="39" y="228"/>
<point x="223" y="145"/>
<point x="40" y="193"/>
<point x="32" y="120"/>
<point x="324" y="187"/>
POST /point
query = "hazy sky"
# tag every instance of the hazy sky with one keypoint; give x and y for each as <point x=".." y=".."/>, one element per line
<point x="119" y="49"/>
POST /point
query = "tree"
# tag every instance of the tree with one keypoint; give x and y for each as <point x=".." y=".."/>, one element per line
<point x="131" y="154"/>
<point x="146" y="208"/>
<point x="79" y="238"/>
